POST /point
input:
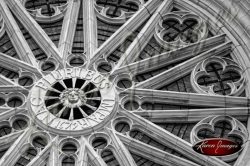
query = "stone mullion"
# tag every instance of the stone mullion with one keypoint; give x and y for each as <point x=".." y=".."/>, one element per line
<point x="153" y="154"/>
<point x="7" y="112"/>
<point x="123" y="155"/>
<point x="38" y="34"/>
<point x="171" y="57"/>
<point x="41" y="157"/>
<point x="183" y="69"/>
<point x="7" y="140"/>
<point x="93" y="157"/>
<point x="69" y="27"/>
<point x="83" y="157"/>
<point x="6" y="81"/>
<point x="172" y="140"/>
<point x="17" y="148"/>
<point x="54" y="153"/>
<point x="191" y="115"/>
<point x="17" y="65"/>
<point x="144" y="36"/>
<point x="11" y="88"/>
<point x="126" y="30"/>
<point x="90" y="28"/>
<point x="16" y="36"/>
<point x="188" y="99"/>
<point x="236" y="26"/>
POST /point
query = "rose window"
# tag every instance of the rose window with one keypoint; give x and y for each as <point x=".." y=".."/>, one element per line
<point x="122" y="82"/>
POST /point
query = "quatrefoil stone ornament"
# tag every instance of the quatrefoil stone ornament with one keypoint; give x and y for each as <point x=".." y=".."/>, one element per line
<point x="218" y="76"/>
<point x="220" y="127"/>
<point x="45" y="10"/>
<point x="178" y="29"/>
<point x="116" y="11"/>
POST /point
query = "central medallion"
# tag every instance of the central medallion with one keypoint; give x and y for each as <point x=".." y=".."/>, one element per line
<point x="72" y="99"/>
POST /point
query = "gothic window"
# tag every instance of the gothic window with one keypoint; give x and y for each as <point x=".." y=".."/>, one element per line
<point x="20" y="124"/>
<point x="39" y="142"/>
<point x="115" y="7"/>
<point x="37" y="51"/>
<point x="78" y="43"/>
<point x="99" y="143"/>
<point x="53" y="30"/>
<point x="69" y="148"/>
<point x="46" y="6"/>
<point x="141" y="161"/>
<point x="122" y="82"/>
<point x="68" y="161"/>
<point x="105" y="30"/>
<point x="8" y="73"/>
<point x="5" y="130"/>
<point x="26" y="157"/>
<point x="109" y="158"/>
<point x="7" y="47"/>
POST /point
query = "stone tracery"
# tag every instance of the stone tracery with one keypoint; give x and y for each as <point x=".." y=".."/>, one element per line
<point x="140" y="103"/>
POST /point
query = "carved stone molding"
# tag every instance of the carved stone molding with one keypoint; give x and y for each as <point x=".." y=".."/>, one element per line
<point x="178" y="29"/>
<point x="218" y="73"/>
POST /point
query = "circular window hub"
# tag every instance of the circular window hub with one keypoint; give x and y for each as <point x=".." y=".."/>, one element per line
<point x="72" y="100"/>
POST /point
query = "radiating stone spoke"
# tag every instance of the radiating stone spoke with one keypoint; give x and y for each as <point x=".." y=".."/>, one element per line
<point x="191" y="115"/>
<point x="83" y="155"/>
<point x="6" y="112"/>
<point x="123" y="152"/>
<point x="17" y="148"/>
<point x="73" y="82"/>
<point x="84" y="85"/>
<point x="53" y="106"/>
<point x="55" y="90"/>
<point x="83" y="113"/>
<point x="92" y="91"/>
<point x="71" y="116"/>
<point x="190" y="99"/>
<point x="10" y="138"/>
<point x="153" y="154"/>
<point x="167" y="58"/>
<point x="63" y="84"/>
<point x="94" y="98"/>
<point x="90" y="27"/>
<point x="59" y="114"/>
<point x="51" y="97"/>
<point x="41" y="157"/>
<point x="54" y="153"/>
<point x="17" y="38"/>
<point x="91" y="107"/>
<point x="6" y="81"/>
<point x="17" y="65"/>
<point x="144" y="36"/>
<point x="35" y="30"/>
<point x="68" y="28"/>
<point x="94" y="158"/>
<point x="12" y="88"/>
<point x="184" y="68"/>
<point x="172" y="140"/>
<point x="126" y="30"/>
